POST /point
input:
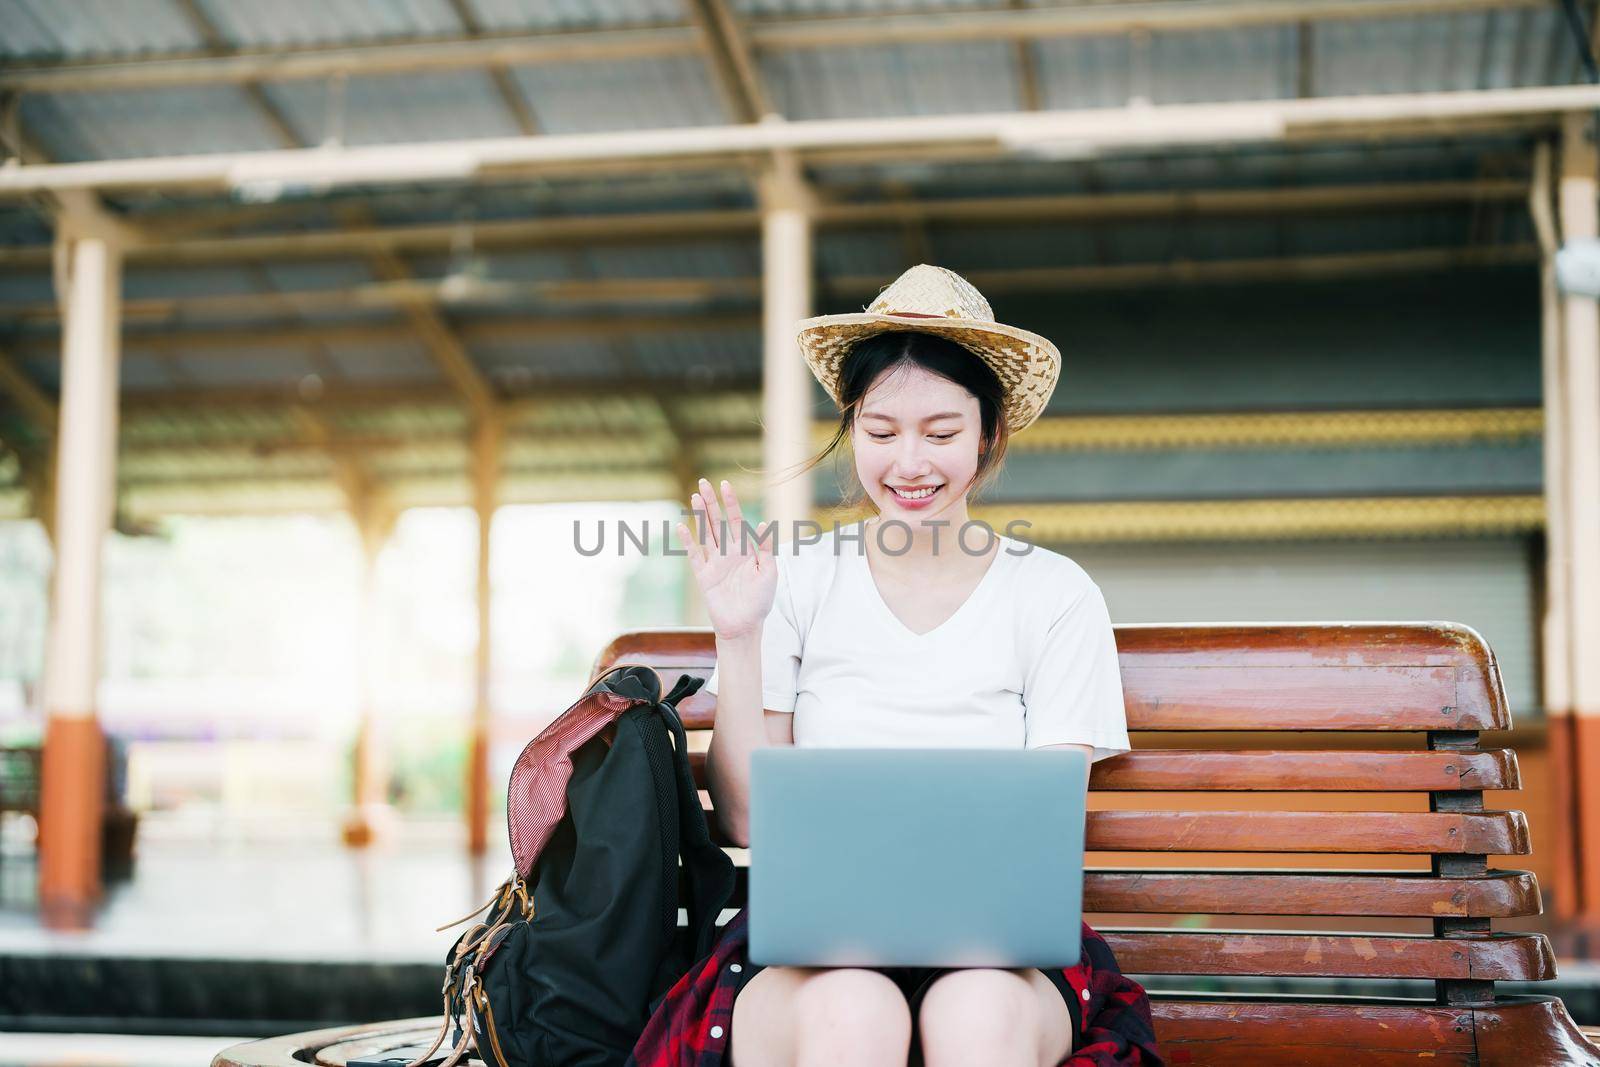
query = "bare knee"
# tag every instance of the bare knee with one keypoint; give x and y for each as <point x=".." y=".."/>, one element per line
<point x="800" y="1017"/>
<point x="979" y="1016"/>
<point x="850" y="1016"/>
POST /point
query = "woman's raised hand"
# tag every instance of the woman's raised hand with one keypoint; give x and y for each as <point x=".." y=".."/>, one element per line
<point x="733" y="566"/>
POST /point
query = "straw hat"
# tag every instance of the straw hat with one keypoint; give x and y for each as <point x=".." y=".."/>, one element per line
<point x="928" y="299"/>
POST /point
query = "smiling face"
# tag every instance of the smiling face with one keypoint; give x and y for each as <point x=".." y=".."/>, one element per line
<point x="917" y="431"/>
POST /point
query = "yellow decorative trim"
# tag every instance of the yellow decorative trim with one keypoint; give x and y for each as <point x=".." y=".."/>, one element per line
<point x="1259" y="520"/>
<point x="1295" y="429"/>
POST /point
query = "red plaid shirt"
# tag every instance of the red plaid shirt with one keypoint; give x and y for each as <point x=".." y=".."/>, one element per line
<point x="690" y="1027"/>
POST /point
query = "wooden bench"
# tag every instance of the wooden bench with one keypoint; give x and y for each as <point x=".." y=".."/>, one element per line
<point x="1183" y="830"/>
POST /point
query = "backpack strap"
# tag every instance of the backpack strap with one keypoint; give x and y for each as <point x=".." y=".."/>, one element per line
<point x="685" y="687"/>
<point x="708" y="874"/>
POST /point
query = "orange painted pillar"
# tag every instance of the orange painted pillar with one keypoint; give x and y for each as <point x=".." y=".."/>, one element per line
<point x="486" y="482"/>
<point x="73" y="778"/>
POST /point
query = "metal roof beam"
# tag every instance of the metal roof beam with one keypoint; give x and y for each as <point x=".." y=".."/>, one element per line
<point x="246" y="341"/>
<point x="141" y="402"/>
<point x="416" y="297"/>
<point x="1030" y="95"/>
<point x="510" y="95"/>
<point x="446" y="349"/>
<point x="367" y="501"/>
<point x="638" y="227"/>
<point x="1052" y="433"/>
<point x="733" y="67"/>
<point x="1075" y="134"/>
<point x="769" y="34"/>
<point x="34" y="403"/>
<point x="217" y="44"/>
<point x="1095" y="20"/>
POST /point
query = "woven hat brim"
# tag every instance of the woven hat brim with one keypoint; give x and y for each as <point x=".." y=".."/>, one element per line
<point x="1027" y="364"/>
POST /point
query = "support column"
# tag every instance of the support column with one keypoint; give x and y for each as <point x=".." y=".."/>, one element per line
<point x="73" y="776"/>
<point x="685" y="473"/>
<point x="485" y="497"/>
<point x="786" y="207"/>
<point x="1556" y="633"/>
<point x="1580" y="218"/>
<point x="371" y="816"/>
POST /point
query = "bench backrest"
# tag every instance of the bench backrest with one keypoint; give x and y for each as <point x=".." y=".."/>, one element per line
<point x="1220" y="716"/>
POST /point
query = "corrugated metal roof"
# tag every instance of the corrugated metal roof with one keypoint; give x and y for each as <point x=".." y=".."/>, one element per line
<point x="93" y="28"/>
<point x="649" y="93"/>
<point x="191" y="425"/>
<point x="292" y="23"/>
<point x="1443" y="52"/>
<point x="1484" y="50"/>
<point x="1083" y="72"/>
<point x="167" y="281"/>
<point x="1245" y="64"/>
<point x="245" y="368"/>
<point x="509" y="15"/>
<point x="680" y="259"/>
<point x="707" y="356"/>
<point x="233" y="461"/>
<point x="396" y="419"/>
<point x="876" y="80"/>
<point x="1246" y="166"/>
<point x="383" y="364"/>
<point x="520" y="366"/>
<point x="720" y="413"/>
<point x="773" y="8"/>
<point x="874" y="251"/>
<point x="132" y="123"/>
<point x="416" y="106"/>
<point x="143" y="370"/>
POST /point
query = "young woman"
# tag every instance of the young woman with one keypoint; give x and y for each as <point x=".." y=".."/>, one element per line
<point x="913" y="628"/>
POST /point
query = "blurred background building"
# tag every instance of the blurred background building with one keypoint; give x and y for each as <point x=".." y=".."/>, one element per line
<point x="322" y="325"/>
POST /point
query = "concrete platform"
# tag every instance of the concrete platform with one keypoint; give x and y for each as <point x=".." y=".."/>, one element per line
<point x="233" y="930"/>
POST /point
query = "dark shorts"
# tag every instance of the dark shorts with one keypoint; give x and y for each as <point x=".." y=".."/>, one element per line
<point x="914" y="983"/>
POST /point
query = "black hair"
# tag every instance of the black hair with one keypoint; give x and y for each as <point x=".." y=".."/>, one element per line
<point x="872" y="357"/>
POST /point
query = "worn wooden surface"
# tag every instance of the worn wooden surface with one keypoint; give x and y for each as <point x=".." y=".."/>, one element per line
<point x="1500" y="957"/>
<point x="1218" y="685"/>
<point x="1220" y="1032"/>
<point x="1228" y="1032"/>
<point x="1303" y="677"/>
<point x="1173" y="770"/>
<point x="1496" y="894"/>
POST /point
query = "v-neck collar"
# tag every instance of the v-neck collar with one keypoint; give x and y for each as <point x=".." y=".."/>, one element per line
<point x="883" y="605"/>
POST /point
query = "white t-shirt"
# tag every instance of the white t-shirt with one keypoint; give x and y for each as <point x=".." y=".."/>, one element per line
<point x="1028" y="660"/>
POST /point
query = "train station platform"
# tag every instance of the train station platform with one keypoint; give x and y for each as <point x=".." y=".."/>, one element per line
<point x="227" y="931"/>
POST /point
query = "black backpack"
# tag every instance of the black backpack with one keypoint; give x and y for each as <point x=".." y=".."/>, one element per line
<point x="580" y="950"/>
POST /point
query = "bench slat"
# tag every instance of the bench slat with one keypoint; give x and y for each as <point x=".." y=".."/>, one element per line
<point x="1297" y="698"/>
<point x="1264" y="677"/>
<point x="1152" y="891"/>
<point x="1329" y="699"/>
<point x="1500" y="957"/>
<point x="1491" y="833"/>
<point x="1229" y="1032"/>
<point x="1494" y="833"/>
<point x="1312" y="770"/>
<point x="1498" y="894"/>
<point x="1289" y="771"/>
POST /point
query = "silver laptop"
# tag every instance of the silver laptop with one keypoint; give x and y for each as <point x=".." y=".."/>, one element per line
<point x="877" y="857"/>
